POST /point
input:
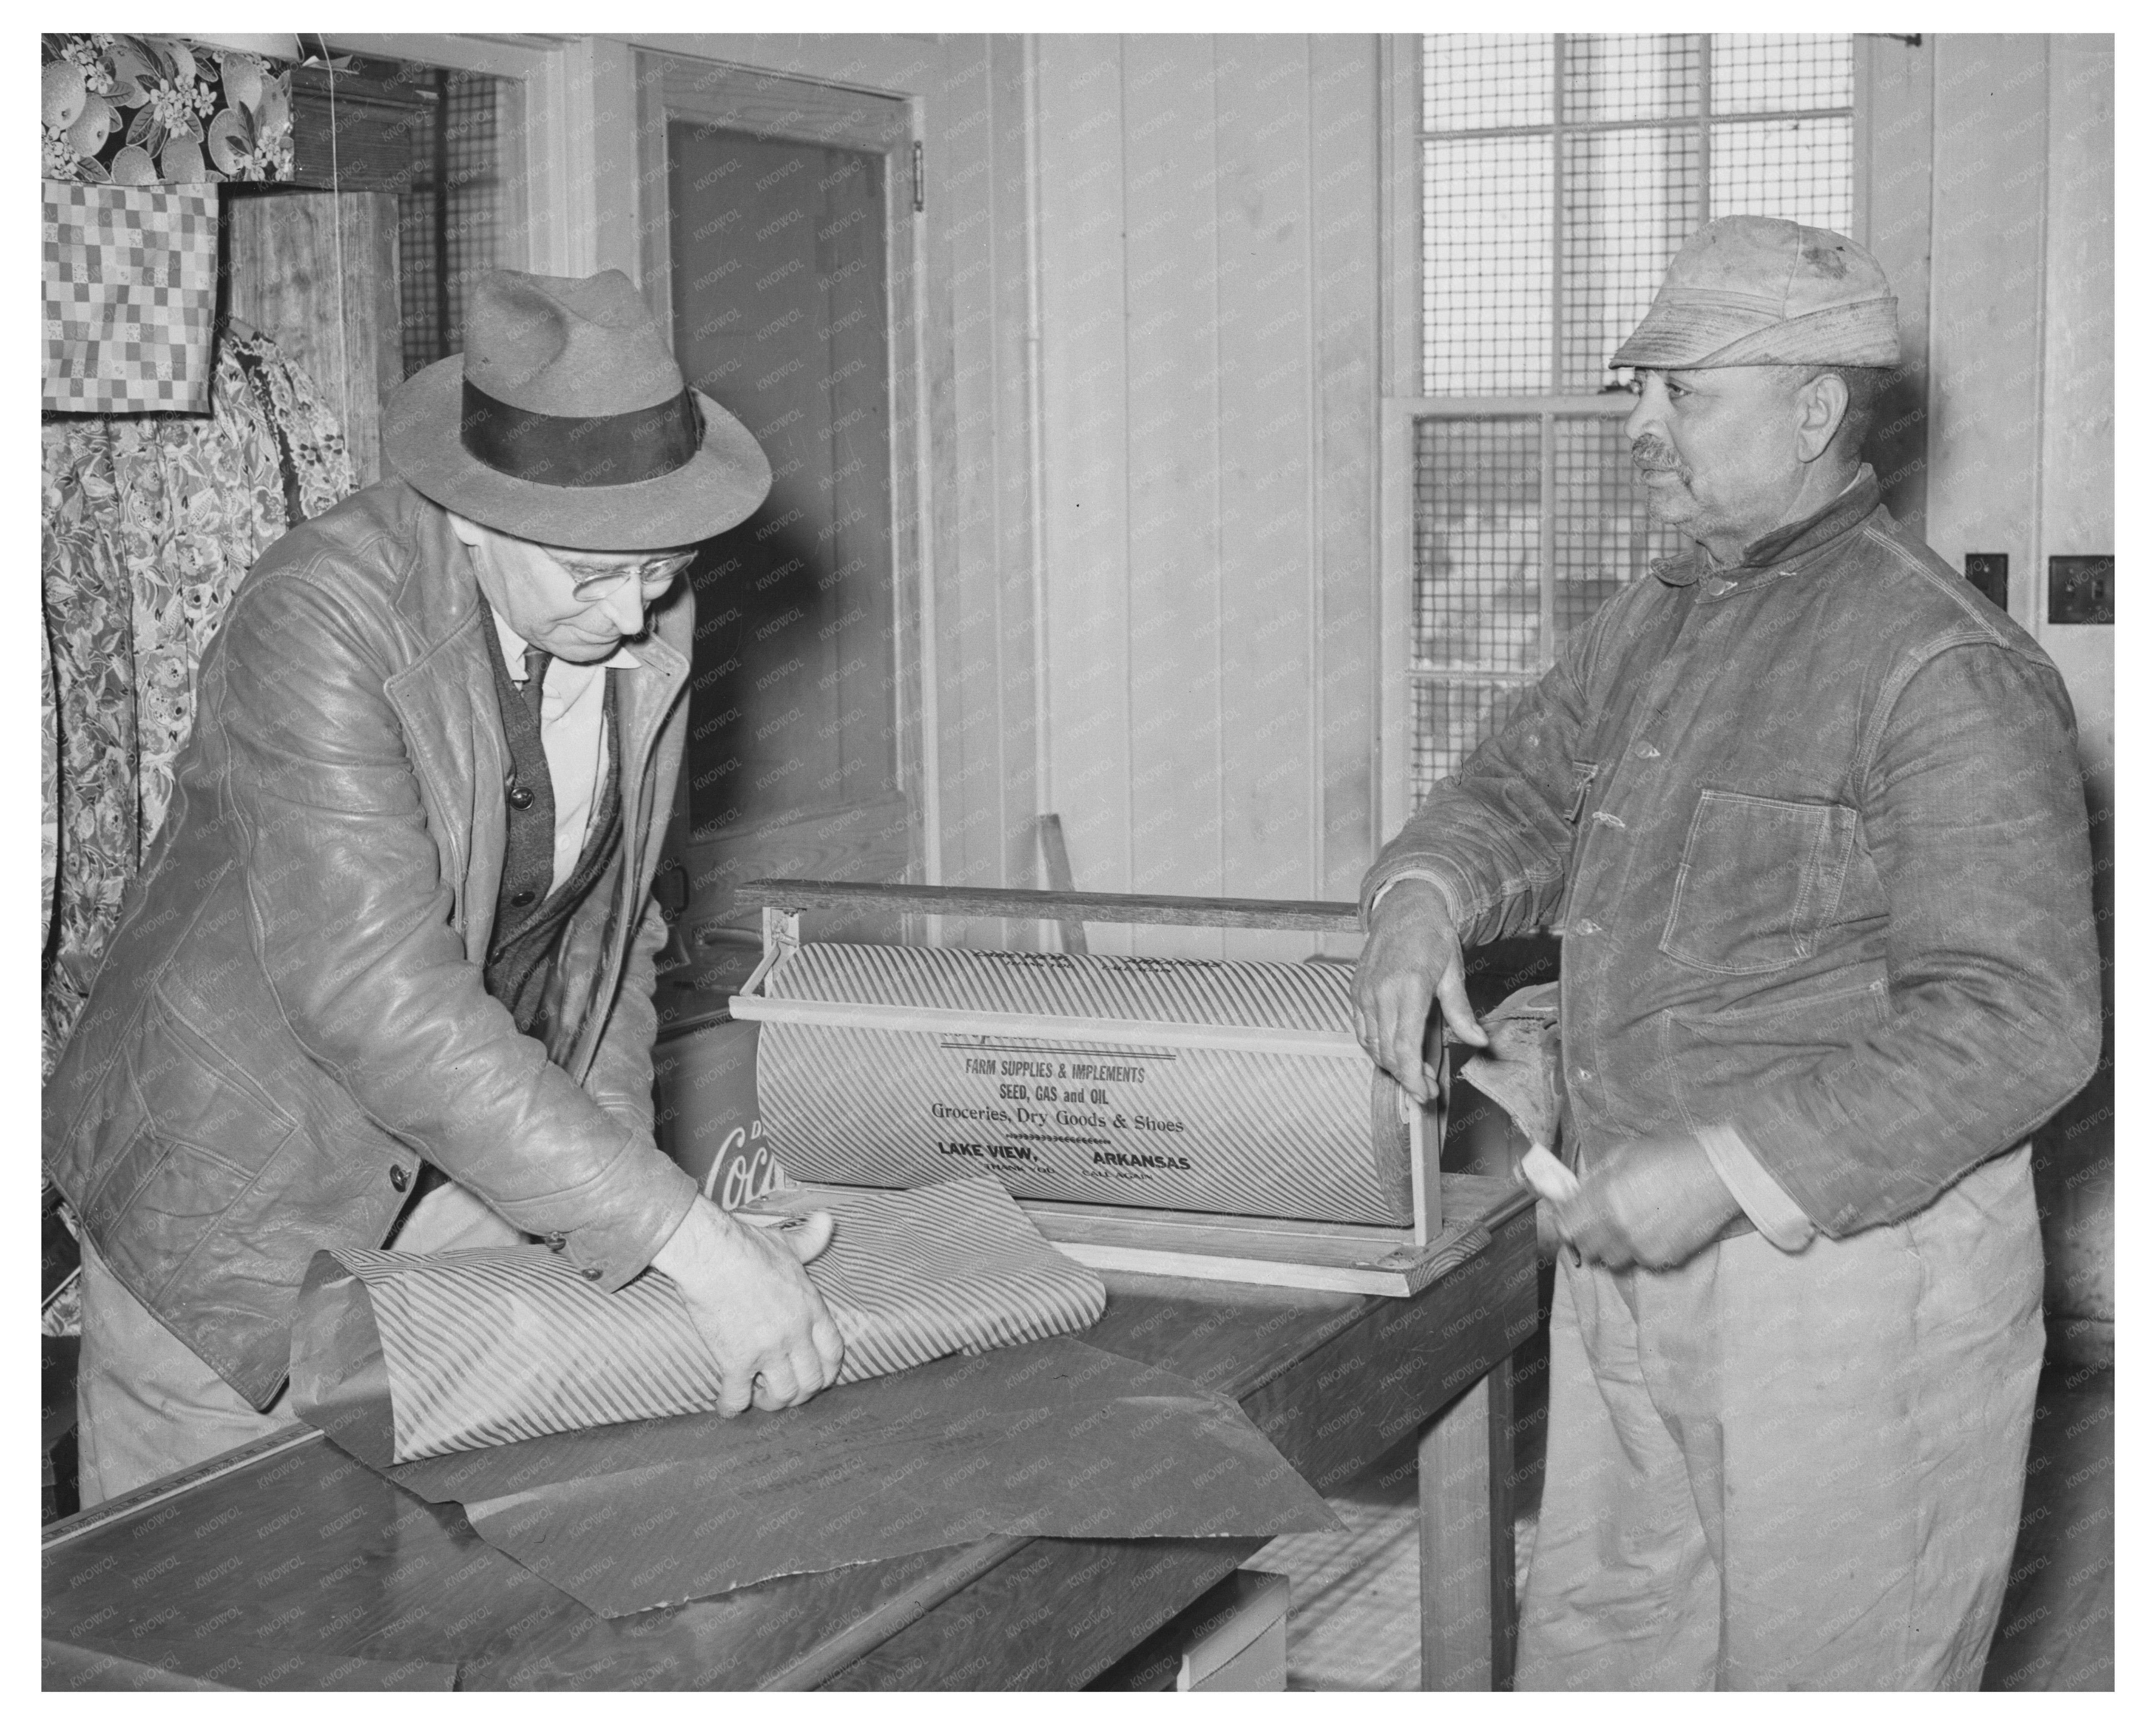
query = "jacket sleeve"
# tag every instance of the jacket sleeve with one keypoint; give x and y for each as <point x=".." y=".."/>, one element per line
<point x="351" y="919"/>
<point x="1495" y="837"/>
<point x="1974" y="820"/>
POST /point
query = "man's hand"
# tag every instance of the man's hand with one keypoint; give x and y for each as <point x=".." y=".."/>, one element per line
<point x="765" y="1323"/>
<point x="1654" y="1202"/>
<point x="1412" y="956"/>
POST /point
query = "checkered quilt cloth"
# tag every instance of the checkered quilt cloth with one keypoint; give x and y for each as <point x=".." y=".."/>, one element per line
<point x="130" y="295"/>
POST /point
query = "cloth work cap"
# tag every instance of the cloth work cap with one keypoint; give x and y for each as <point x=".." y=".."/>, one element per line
<point x="566" y="420"/>
<point x="1753" y="291"/>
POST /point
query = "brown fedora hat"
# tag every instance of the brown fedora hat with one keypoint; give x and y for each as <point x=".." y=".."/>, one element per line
<point x="566" y="420"/>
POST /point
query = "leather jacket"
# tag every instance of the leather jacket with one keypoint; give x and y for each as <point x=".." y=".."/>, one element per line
<point x="291" y="1015"/>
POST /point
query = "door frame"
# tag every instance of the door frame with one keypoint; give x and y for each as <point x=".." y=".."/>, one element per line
<point x="672" y="86"/>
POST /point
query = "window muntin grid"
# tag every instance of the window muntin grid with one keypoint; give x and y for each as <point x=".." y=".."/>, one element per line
<point x="1601" y="536"/>
<point x="1477" y="81"/>
<point x="1801" y="169"/>
<point x="1610" y="79"/>
<point x="1630" y="197"/>
<point x="1527" y="517"/>
<point x="1782" y="74"/>
<point x="1478" y="549"/>
<point x="449" y="222"/>
<point x="1531" y="144"/>
<point x="1487" y="253"/>
<point x="1448" y="720"/>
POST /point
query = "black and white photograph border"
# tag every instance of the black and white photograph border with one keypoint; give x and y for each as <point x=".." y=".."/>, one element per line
<point x="1303" y="876"/>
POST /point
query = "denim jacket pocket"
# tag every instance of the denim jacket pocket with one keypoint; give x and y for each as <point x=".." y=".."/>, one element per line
<point x="1759" y="879"/>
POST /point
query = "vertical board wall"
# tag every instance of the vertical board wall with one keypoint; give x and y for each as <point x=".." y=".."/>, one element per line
<point x="2021" y="455"/>
<point x="1208" y="313"/>
<point x="1148" y="348"/>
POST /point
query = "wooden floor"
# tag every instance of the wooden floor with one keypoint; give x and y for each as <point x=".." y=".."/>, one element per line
<point x="1353" y="1623"/>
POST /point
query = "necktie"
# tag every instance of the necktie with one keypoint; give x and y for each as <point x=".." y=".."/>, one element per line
<point x="536" y="661"/>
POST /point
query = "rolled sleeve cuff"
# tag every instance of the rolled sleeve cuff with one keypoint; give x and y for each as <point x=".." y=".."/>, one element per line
<point x="614" y="1223"/>
<point x="1449" y="890"/>
<point x="1772" y="1210"/>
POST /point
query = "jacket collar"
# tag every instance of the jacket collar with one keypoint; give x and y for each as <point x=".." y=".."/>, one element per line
<point x="1786" y="544"/>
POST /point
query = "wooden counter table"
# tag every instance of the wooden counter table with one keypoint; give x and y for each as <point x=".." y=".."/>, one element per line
<point x="287" y="1565"/>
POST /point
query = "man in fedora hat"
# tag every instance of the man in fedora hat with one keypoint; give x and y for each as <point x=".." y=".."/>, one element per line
<point x="1805" y="809"/>
<point x="386" y="973"/>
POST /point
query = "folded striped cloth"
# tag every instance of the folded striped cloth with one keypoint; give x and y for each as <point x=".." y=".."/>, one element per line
<point x="400" y="1357"/>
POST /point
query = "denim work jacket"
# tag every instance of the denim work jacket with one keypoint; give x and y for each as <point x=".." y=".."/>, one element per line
<point x="1812" y="831"/>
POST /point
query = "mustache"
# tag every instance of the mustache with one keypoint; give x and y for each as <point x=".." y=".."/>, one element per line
<point x="1649" y="454"/>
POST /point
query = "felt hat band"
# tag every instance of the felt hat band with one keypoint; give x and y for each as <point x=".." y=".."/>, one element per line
<point x="582" y="450"/>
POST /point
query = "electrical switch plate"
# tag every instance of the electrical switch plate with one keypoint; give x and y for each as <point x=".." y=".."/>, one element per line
<point x="1986" y="574"/>
<point x="2081" y="589"/>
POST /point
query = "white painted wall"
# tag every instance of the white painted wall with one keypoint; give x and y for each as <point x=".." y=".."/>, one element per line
<point x="2021" y="445"/>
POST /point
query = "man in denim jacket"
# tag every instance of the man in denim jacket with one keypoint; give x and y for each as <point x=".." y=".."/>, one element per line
<point x="1805" y="810"/>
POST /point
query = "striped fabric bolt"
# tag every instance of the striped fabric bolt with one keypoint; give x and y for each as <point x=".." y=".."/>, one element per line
<point x="1211" y="1129"/>
<point x="502" y="1343"/>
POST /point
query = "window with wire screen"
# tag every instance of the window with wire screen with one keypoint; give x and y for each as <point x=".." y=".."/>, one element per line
<point x="449" y="223"/>
<point x="1560" y="174"/>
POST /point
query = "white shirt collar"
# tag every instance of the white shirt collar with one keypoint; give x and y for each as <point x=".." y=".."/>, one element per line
<point x="513" y="646"/>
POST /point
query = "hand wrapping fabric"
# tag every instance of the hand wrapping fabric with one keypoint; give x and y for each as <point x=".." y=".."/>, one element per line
<point x="400" y="1357"/>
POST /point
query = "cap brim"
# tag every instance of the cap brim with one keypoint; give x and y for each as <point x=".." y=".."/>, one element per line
<point x="718" y="488"/>
<point x="1686" y="332"/>
<point x="1708" y="337"/>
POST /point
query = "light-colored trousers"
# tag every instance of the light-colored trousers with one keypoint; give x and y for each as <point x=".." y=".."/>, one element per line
<point x="1791" y="1471"/>
<point x="146" y="1403"/>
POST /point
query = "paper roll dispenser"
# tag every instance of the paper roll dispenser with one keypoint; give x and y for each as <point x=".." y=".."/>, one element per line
<point x="1218" y="1114"/>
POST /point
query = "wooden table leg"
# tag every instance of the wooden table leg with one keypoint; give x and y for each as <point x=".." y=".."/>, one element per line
<point x="1465" y="1464"/>
<point x="1453" y="1483"/>
<point x="1504" y="1598"/>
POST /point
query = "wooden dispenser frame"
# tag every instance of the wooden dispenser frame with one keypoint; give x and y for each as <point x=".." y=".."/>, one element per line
<point x="1343" y="1256"/>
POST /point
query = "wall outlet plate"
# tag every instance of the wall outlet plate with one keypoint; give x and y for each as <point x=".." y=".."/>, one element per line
<point x="2081" y="589"/>
<point x="1986" y="574"/>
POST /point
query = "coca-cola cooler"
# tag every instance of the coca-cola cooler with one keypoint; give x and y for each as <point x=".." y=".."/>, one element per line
<point x="707" y="1119"/>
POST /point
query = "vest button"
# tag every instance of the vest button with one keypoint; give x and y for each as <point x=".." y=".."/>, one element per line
<point x="521" y="797"/>
<point x="399" y="1179"/>
<point x="522" y="899"/>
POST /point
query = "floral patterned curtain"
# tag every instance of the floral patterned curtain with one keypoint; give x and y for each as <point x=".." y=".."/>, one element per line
<point x="149" y="524"/>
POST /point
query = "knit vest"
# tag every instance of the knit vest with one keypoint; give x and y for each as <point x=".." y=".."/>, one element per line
<point x="530" y="910"/>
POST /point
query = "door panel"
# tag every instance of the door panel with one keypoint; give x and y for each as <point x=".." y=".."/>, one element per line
<point x="779" y="293"/>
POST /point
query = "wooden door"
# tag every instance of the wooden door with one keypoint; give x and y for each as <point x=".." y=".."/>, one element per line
<point x="778" y="283"/>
